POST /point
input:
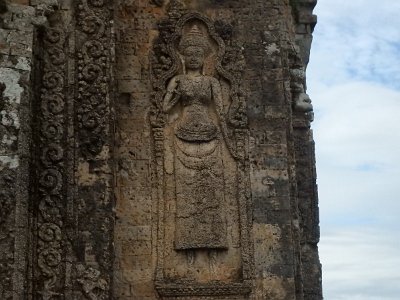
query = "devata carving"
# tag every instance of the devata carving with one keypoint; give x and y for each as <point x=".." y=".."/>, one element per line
<point x="200" y="144"/>
<point x="200" y="221"/>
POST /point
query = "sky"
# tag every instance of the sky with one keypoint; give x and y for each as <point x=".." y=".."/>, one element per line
<point x="354" y="81"/>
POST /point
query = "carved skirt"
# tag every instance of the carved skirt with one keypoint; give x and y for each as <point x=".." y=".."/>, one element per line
<point x="200" y="219"/>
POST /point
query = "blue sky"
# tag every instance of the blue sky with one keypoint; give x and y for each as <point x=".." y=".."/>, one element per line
<point x="354" y="82"/>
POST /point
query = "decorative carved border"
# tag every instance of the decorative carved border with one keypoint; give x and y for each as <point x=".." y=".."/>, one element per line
<point x="94" y="48"/>
<point x="74" y="119"/>
<point x="93" y="53"/>
<point x="162" y="72"/>
<point x="50" y="207"/>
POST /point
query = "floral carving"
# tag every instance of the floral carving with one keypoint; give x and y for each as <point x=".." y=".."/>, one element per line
<point x="52" y="154"/>
<point x="91" y="24"/>
<point x="94" y="48"/>
<point x="51" y="168"/>
<point x="91" y="72"/>
<point x="49" y="207"/>
<point x="56" y="55"/>
<point x="52" y="130"/>
<point x="53" y="36"/>
<point x="49" y="232"/>
<point x="51" y="180"/>
<point x="53" y="81"/>
<point x="93" y="134"/>
<point x="93" y="67"/>
<point x="91" y="282"/>
<point x="52" y="103"/>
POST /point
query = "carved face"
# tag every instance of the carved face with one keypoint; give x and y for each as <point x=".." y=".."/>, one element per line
<point x="194" y="57"/>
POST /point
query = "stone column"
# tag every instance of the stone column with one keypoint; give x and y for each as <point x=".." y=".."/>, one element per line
<point x="18" y="22"/>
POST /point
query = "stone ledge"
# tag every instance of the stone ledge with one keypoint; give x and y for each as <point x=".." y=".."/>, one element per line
<point x="197" y="289"/>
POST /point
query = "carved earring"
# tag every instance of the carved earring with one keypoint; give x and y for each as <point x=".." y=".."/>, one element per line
<point x="183" y="65"/>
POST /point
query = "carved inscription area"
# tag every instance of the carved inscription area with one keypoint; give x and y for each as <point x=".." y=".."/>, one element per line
<point x="198" y="168"/>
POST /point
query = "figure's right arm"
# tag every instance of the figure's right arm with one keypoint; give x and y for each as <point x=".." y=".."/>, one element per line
<point x="172" y="95"/>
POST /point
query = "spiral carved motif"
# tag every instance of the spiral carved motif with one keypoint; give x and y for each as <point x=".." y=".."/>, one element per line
<point x="93" y="69"/>
<point x="91" y="120"/>
<point x="52" y="130"/>
<point x="49" y="232"/>
<point x="52" y="154"/>
<point x="52" y="35"/>
<point x="49" y="209"/>
<point x="48" y="259"/>
<point x="91" y="25"/>
<point x="56" y="55"/>
<point x="50" y="163"/>
<point x="53" y="81"/>
<point x="93" y="114"/>
<point x="94" y="48"/>
<point x="51" y="180"/>
<point x="91" y="72"/>
<point x="52" y="103"/>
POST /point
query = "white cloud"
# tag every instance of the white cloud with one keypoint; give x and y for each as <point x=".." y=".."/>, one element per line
<point x="360" y="264"/>
<point x="357" y="137"/>
<point x="357" y="39"/>
<point x="358" y="125"/>
<point x="354" y="81"/>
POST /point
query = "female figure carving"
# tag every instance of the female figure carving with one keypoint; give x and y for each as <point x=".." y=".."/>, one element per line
<point x="197" y="137"/>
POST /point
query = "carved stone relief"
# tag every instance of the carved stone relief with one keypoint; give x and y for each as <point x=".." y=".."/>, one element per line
<point x="94" y="214"/>
<point x="72" y="217"/>
<point x="200" y="221"/>
<point x="200" y="137"/>
<point x="51" y="169"/>
<point x="158" y="204"/>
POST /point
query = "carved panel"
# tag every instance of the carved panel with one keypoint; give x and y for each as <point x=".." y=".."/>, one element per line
<point x="72" y="205"/>
<point x="93" y="40"/>
<point x="49" y="265"/>
<point x="200" y="163"/>
<point x="93" y="210"/>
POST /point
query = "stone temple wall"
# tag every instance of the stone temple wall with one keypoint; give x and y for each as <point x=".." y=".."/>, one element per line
<point x="157" y="150"/>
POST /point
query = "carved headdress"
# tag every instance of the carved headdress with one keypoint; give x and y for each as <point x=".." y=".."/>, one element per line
<point x="195" y="38"/>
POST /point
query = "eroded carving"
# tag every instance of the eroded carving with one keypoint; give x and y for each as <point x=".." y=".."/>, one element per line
<point x="51" y="168"/>
<point x="94" y="49"/>
<point x="91" y="282"/>
<point x="301" y="100"/>
<point x="93" y="77"/>
<point x="199" y="128"/>
<point x="200" y="221"/>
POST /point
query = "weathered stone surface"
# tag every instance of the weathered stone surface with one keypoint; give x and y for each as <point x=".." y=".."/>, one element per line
<point x="157" y="150"/>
